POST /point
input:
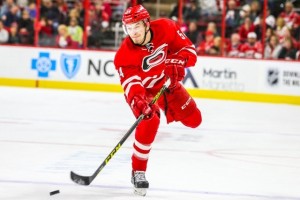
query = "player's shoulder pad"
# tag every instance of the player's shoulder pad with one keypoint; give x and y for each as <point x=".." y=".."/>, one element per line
<point x="163" y="23"/>
<point x="124" y="53"/>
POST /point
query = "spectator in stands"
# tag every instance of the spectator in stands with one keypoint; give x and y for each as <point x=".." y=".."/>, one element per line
<point x="209" y="7"/>
<point x="193" y="13"/>
<point x="62" y="6"/>
<point x="272" y="48"/>
<point x="11" y="16"/>
<point x="99" y="31"/>
<point x="26" y="30"/>
<point x="63" y="39"/>
<point x="234" y="46"/>
<point x="22" y="4"/>
<point x="245" y="13"/>
<point x="103" y="10"/>
<point x="237" y="2"/>
<point x="289" y="15"/>
<point x="94" y="28"/>
<point x="118" y="9"/>
<point x="193" y="33"/>
<point x="292" y="21"/>
<point x="46" y="32"/>
<point x="246" y="28"/>
<point x="215" y="49"/>
<point x="296" y="29"/>
<point x="74" y="14"/>
<point x="212" y="26"/>
<point x="3" y="34"/>
<point x="270" y="20"/>
<point x="79" y="5"/>
<point x="106" y="10"/>
<point x="75" y="31"/>
<point x="232" y="18"/>
<point x="63" y="12"/>
<point x="252" y="48"/>
<point x="107" y="35"/>
<point x="269" y="33"/>
<point x="174" y="13"/>
<point x="205" y="45"/>
<point x="5" y="8"/>
<point x="50" y="12"/>
<point x="281" y="29"/>
<point x="14" y="37"/>
<point x="288" y="51"/>
<point x="32" y="10"/>
<point x="288" y="33"/>
<point x="255" y="10"/>
<point x="258" y="25"/>
<point x="276" y="6"/>
<point x="183" y="26"/>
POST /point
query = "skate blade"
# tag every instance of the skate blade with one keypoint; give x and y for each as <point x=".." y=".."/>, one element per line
<point x="140" y="191"/>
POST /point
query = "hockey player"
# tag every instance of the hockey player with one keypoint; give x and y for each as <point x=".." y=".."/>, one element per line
<point x="153" y="52"/>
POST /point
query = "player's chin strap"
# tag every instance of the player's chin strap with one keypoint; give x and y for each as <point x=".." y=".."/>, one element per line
<point x="146" y="32"/>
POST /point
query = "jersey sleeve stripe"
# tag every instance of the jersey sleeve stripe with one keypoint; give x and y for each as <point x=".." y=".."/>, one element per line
<point x="130" y="79"/>
<point x="193" y="51"/>
<point x="148" y="78"/>
<point x="190" y="49"/>
<point x="127" y="90"/>
<point x="155" y="80"/>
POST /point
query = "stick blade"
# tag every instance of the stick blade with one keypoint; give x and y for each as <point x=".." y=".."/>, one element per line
<point x="81" y="180"/>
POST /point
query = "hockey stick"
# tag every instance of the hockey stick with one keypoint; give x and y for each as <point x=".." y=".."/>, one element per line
<point x="86" y="180"/>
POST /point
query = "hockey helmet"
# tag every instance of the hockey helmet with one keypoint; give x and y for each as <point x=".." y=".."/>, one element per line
<point x="135" y="14"/>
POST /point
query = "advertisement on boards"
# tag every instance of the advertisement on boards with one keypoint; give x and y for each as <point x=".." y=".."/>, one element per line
<point x="210" y="73"/>
<point x="58" y="65"/>
<point x="222" y="74"/>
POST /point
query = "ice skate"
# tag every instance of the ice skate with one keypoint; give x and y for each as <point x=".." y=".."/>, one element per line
<point x="140" y="184"/>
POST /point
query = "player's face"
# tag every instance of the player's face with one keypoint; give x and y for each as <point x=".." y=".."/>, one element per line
<point x="136" y="31"/>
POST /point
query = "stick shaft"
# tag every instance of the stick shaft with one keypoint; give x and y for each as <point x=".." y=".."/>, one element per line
<point x="86" y="180"/>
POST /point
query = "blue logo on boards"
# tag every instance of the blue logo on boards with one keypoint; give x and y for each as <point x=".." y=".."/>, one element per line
<point x="43" y="64"/>
<point x="70" y="64"/>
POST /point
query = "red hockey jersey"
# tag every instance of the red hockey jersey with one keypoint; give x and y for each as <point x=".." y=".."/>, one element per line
<point x="141" y="68"/>
<point x="251" y="51"/>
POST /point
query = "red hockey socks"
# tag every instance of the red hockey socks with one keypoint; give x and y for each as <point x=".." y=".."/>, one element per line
<point x="144" y="136"/>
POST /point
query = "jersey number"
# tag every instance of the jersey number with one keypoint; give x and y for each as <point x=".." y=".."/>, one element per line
<point x="120" y="72"/>
<point x="181" y="34"/>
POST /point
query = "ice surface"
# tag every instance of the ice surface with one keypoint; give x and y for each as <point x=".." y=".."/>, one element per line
<point x="242" y="151"/>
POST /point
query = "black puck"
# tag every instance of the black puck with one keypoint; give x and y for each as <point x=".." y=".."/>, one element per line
<point x="54" y="192"/>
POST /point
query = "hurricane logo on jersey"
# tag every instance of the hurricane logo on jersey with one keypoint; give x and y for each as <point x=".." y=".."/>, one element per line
<point x="70" y="64"/>
<point x="155" y="58"/>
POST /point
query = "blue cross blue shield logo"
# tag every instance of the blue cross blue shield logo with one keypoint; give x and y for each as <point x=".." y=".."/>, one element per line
<point x="70" y="64"/>
<point x="43" y="64"/>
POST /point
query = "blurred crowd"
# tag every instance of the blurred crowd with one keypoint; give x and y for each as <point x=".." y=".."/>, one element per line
<point x="247" y="31"/>
<point x="58" y="23"/>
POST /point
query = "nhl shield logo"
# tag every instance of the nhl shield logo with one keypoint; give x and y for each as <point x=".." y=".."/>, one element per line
<point x="70" y="64"/>
<point x="273" y="77"/>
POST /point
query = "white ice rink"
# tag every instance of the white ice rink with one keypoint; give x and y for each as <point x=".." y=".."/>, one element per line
<point x="242" y="151"/>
